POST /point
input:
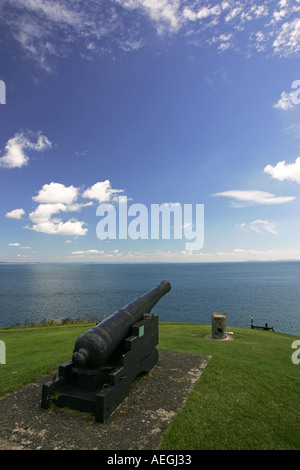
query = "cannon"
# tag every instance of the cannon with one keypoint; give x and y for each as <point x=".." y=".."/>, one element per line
<point x="94" y="347"/>
<point x="107" y="358"/>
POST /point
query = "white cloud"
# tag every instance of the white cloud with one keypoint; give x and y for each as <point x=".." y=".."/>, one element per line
<point x="57" y="227"/>
<point x="165" y="13"/>
<point x="57" y="193"/>
<point x="224" y="41"/>
<point x="234" y="13"/>
<point x="21" y="256"/>
<point x="204" y="12"/>
<point x="53" y="199"/>
<point x="246" y="197"/>
<point x="287" y="42"/>
<point x="44" y="212"/>
<point x="285" y="101"/>
<point x="260" y="36"/>
<point x="78" y="206"/>
<point x="19" y="246"/>
<point x="15" y="214"/>
<point x="54" y="12"/>
<point x="35" y="24"/>
<point x="88" y="252"/>
<point x="242" y="226"/>
<point x="278" y="15"/>
<point x="237" y="254"/>
<point x="259" y="226"/>
<point x="15" y="156"/>
<point x="101" y="192"/>
<point x="56" y="198"/>
<point x="46" y="30"/>
<point x="285" y="171"/>
<point x="259" y="10"/>
<point x="189" y="14"/>
<point x="225" y="37"/>
<point x="263" y="225"/>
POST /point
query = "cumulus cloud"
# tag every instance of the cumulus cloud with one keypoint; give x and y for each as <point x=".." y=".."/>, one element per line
<point x="15" y="155"/>
<point x="249" y="197"/>
<point x="44" y="212"/>
<point x="15" y="214"/>
<point x="57" y="193"/>
<point x="58" y="227"/>
<point x="56" y="200"/>
<point x="285" y="101"/>
<point x="285" y="171"/>
<point x="101" y="192"/>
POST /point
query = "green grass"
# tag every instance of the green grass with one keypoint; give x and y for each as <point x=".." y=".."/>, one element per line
<point x="34" y="351"/>
<point x="246" y="398"/>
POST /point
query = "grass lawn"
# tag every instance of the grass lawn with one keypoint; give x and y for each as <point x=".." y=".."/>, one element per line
<point x="34" y="351"/>
<point x="246" y="398"/>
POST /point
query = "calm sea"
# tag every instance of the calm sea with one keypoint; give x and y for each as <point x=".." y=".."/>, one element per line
<point x="268" y="291"/>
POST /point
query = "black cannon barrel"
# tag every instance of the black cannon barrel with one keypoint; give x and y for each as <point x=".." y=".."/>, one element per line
<point x="96" y="345"/>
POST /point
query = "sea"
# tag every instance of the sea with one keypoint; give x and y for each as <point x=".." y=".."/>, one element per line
<point x="267" y="291"/>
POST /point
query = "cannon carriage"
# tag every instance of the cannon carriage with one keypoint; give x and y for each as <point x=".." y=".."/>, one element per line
<point x="107" y="359"/>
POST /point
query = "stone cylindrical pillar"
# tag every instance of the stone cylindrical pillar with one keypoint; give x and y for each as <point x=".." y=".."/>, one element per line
<point x="219" y="326"/>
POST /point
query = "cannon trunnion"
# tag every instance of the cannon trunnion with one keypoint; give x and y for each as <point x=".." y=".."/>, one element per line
<point x="108" y="358"/>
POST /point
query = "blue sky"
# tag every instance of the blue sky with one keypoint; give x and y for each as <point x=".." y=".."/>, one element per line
<point x="177" y="102"/>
